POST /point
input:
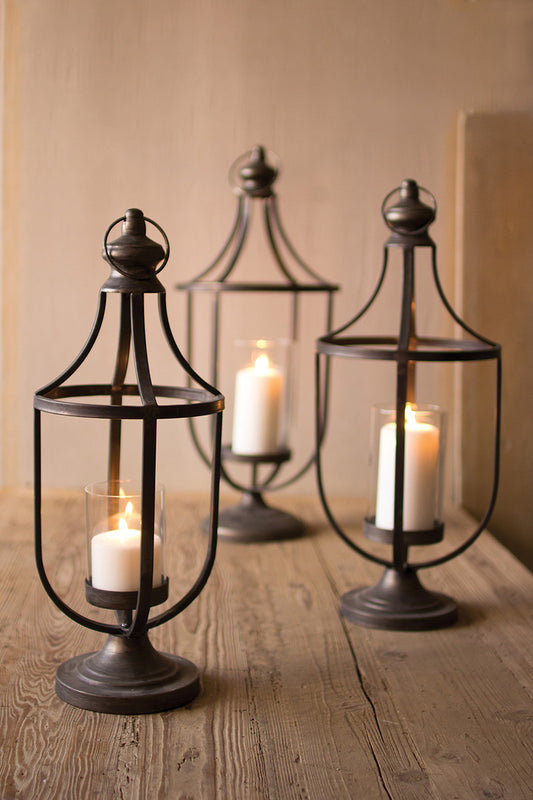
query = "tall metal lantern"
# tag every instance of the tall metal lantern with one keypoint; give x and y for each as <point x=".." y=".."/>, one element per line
<point x="407" y="458"/>
<point x="260" y="435"/>
<point x="126" y="521"/>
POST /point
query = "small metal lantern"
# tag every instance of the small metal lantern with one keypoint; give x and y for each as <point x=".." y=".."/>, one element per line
<point x="252" y="520"/>
<point x="407" y="457"/>
<point x="125" y="523"/>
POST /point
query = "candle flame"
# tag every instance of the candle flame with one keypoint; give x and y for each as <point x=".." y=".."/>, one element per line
<point x="261" y="364"/>
<point x="129" y="507"/>
<point x="410" y="416"/>
<point x="123" y="525"/>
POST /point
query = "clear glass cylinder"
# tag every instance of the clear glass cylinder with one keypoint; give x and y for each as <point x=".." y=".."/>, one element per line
<point x="113" y="518"/>
<point x="425" y="441"/>
<point x="262" y="396"/>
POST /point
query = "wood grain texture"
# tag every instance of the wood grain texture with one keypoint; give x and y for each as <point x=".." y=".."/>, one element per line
<point x="496" y="155"/>
<point x="296" y="702"/>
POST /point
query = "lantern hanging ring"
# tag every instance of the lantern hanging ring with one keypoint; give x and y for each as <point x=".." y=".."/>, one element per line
<point x="254" y="172"/>
<point x="409" y="215"/>
<point x="117" y="266"/>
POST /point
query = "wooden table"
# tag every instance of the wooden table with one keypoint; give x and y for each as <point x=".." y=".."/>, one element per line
<point x="297" y="703"/>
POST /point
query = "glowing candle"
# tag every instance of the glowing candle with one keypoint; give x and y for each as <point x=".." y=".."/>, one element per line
<point x="116" y="555"/>
<point x="257" y="409"/>
<point x="420" y="474"/>
<point x="128" y="516"/>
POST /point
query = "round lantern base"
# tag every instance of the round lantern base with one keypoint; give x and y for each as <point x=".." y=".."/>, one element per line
<point x="127" y="676"/>
<point x="399" y="602"/>
<point x="252" y="520"/>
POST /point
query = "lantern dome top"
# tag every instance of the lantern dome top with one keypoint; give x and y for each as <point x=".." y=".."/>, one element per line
<point x="133" y="254"/>
<point x="252" y="174"/>
<point x="409" y="215"/>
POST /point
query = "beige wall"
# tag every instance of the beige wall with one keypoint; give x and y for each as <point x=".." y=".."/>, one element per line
<point x="110" y="104"/>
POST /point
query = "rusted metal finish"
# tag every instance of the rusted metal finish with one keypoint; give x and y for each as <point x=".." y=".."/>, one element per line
<point x="252" y="177"/>
<point x="118" y="679"/>
<point x="400" y="601"/>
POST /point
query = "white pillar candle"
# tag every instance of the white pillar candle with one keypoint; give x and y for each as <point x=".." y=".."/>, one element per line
<point x="420" y="474"/>
<point x="257" y="409"/>
<point x="116" y="556"/>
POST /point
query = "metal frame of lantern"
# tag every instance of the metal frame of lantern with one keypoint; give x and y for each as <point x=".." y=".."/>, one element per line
<point x="128" y="675"/>
<point x="399" y="601"/>
<point x="252" y="178"/>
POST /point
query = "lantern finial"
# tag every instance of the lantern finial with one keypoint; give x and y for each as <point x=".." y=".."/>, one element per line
<point x="133" y="254"/>
<point x="255" y="175"/>
<point x="409" y="215"/>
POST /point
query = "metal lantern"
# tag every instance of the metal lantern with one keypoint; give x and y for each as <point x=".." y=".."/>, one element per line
<point x="260" y="430"/>
<point x="408" y="435"/>
<point x="125" y="520"/>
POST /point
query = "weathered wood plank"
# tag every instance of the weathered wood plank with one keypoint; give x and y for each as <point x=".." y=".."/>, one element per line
<point x="299" y="676"/>
<point x="495" y="204"/>
<point x="296" y="702"/>
<point x="462" y="697"/>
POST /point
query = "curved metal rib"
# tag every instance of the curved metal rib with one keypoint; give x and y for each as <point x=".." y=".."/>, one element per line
<point x="367" y="305"/>
<point x="87" y="622"/>
<point x="240" y="237"/>
<point x="192" y="374"/>
<point x="288" y="244"/>
<point x="147" y="396"/>
<point x="163" y="313"/>
<point x="449" y="308"/>
<point x="207" y="567"/>
<point x="142" y="368"/>
<point x="492" y="502"/>
<point x="117" y="389"/>
<point x="404" y="385"/>
<point x="333" y="522"/>
<point x="142" y="610"/>
<point x="78" y="361"/>
<point x="233" y="233"/>
<point x="274" y="245"/>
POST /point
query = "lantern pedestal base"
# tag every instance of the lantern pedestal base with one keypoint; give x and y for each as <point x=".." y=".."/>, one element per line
<point x="127" y="676"/>
<point x="253" y="521"/>
<point x="399" y="602"/>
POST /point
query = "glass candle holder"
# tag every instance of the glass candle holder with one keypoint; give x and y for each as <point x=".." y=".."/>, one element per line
<point x="114" y="524"/>
<point x="262" y="396"/>
<point x="424" y="448"/>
